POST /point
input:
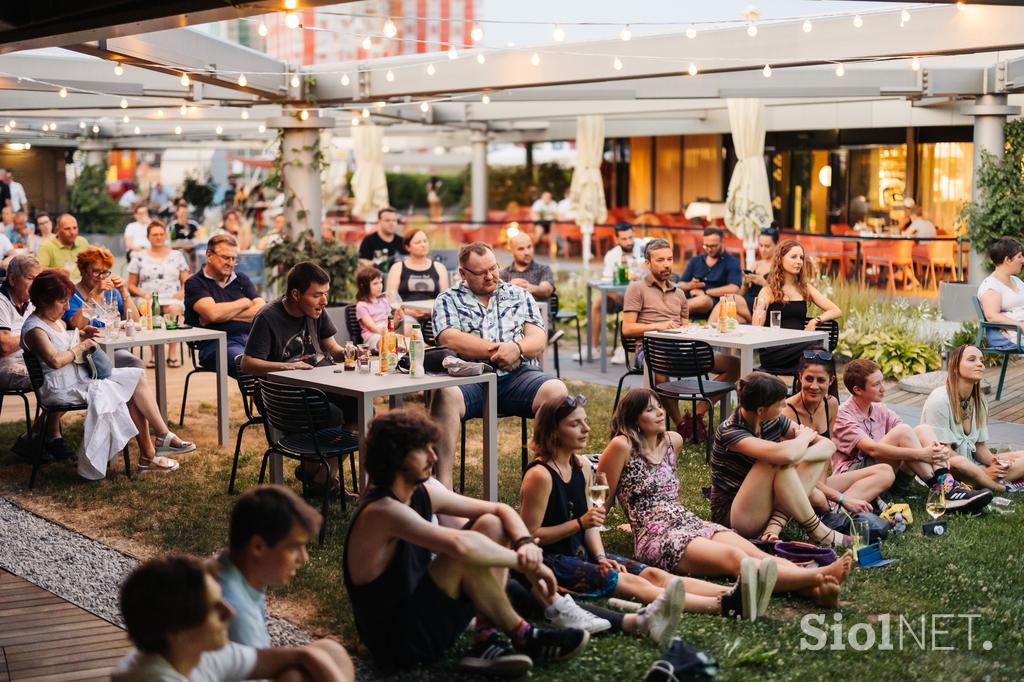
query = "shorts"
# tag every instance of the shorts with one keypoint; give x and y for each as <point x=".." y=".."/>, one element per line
<point x="420" y="629"/>
<point x="516" y="391"/>
<point x="14" y="376"/>
<point x="721" y="506"/>
<point x="860" y="462"/>
<point x="582" y="577"/>
<point x="544" y="225"/>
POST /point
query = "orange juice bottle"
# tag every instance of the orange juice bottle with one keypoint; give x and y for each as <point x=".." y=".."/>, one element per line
<point x="145" y="322"/>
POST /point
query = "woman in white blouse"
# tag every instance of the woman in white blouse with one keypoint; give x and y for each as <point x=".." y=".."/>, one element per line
<point x="1002" y="293"/>
<point x="163" y="270"/>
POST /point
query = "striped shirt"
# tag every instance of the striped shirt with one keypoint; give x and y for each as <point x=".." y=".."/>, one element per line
<point x="728" y="467"/>
<point x="503" y="320"/>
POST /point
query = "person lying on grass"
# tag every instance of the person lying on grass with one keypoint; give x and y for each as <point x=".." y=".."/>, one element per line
<point x="640" y="463"/>
<point x="958" y="414"/>
<point x="814" y="406"/>
<point x="557" y="508"/>
<point x="269" y="532"/>
<point x="866" y="431"/>
<point x="410" y="607"/>
<point x="178" y="620"/>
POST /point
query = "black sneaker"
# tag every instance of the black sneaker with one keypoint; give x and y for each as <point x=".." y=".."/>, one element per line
<point x="682" y="662"/>
<point x="544" y="644"/>
<point x="493" y="656"/>
<point x="59" y="450"/>
<point x="964" y="500"/>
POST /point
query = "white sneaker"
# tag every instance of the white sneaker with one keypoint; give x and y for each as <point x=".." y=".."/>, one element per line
<point x="618" y="357"/>
<point x="661" y="616"/>
<point x="767" y="575"/>
<point x="564" y="613"/>
<point x="576" y="357"/>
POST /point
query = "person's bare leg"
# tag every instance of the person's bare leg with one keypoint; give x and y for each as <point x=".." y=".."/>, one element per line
<point x="906" y="437"/>
<point x="1016" y="460"/>
<point x="147" y="451"/>
<point x="791" y="498"/>
<point x="595" y="326"/>
<point x="754" y="502"/>
<point x="146" y="404"/>
<point x="966" y="470"/>
<point x="550" y="390"/>
<point x="699" y="304"/>
<point x="447" y="408"/>
<point x="864" y="484"/>
<point x="335" y="652"/>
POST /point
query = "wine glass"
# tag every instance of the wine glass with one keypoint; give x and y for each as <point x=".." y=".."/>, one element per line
<point x="599" y="494"/>
<point x="935" y="505"/>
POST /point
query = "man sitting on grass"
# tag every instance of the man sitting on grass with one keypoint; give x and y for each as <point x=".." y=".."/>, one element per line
<point x="270" y="530"/>
<point x="410" y="608"/>
<point x="866" y="432"/>
<point x="178" y="620"/>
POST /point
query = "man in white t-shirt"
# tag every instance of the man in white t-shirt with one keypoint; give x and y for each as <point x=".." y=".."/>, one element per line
<point x="178" y="620"/>
<point x="135" y="232"/>
<point x="543" y="212"/>
<point x="565" y="212"/>
<point x="19" y="201"/>
<point x="633" y="248"/>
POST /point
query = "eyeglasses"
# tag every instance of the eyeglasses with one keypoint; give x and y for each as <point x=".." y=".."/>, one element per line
<point x="711" y="247"/>
<point x="818" y="355"/>
<point x="226" y="259"/>
<point x="569" y="403"/>
<point x="102" y="274"/>
<point x="493" y="270"/>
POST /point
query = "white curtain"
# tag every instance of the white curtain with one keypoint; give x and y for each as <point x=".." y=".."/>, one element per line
<point x="587" y="186"/>
<point x="369" y="188"/>
<point x="748" y="206"/>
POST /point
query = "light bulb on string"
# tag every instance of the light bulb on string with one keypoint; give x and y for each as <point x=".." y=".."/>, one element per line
<point x="137" y="130"/>
<point x="124" y="103"/>
<point x="159" y="113"/>
<point x="95" y="128"/>
<point x="692" y="70"/>
<point x="81" y="125"/>
<point x="840" y="70"/>
<point x="63" y="93"/>
<point x="355" y="120"/>
<point x="291" y="20"/>
<point x="379" y="104"/>
<point x="185" y="81"/>
<point x="558" y="34"/>
<point x="184" y="110"/>
<point x="477" y="33"/>
<point x="480" y="58"/>
<point x="626" y="33"/>
<point x="262" y="30"/>
<point x="345" y="79"/>
<point x="126" y="119"/>
<point x="691" y="31"/>
<point x="365" y="113"/>
<point x="390" y="30"/>
<point x="752" y="30"/>
<point x="857" y="21"/>
<point x="808" y="26"/>
<point x="242" y="80"/>
<point x="767" y="71"/>
<point x="245" y="114"/>
<point x="453" y="53"/>
<point x="46" y="127"/>
<point x="486" y="99"/>
<point x="7" y="128"/>
<point x="118" y="69"/>
<point x="219" y="130"/>
<point x="304" y="115"/>
<point x="367" y="43"/>
<point x="424" y="107"/>
<point x="617" y="64"/>
<point x="12" y="123"/>
<point x="915" y="64"/>
<point x="431" y="69"/>
<point x="961" y="6"/>
<point x="291" y="4"/>
<point x="177" y="130"/>
<point x="535" y="59"/>
<point x="389" y="76"/>
<point x="904" y="17"/>
<point x="295" y="80"/>
<point x="262" y="128"/>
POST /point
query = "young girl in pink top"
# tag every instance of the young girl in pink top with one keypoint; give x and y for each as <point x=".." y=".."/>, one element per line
<point x="372" y="308"/>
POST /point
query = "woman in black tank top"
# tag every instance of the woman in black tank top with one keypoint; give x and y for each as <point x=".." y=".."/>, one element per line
<point x="417" y="278"/>
<point x="815" y="405"/>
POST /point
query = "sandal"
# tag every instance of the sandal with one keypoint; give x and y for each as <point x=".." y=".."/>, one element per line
<point x="164" y="445"/>
<point x="174" y="362"/>
<point x="159" y="463"/>
<point x="150" y="364"/>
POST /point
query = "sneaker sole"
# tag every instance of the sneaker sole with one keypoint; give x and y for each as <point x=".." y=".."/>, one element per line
<point x="972" y="504"/>
<point x="515" y="665"/>
<point x="748" y="588"/>
<point x="676" y="608"/>
<point x="767" y="575"/>
<point x="575" y="652"/>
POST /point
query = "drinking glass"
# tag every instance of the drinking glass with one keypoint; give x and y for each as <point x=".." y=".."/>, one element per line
<point x="599" y="494"/>
<point x="861" y="533"/>
<point x="935" y="505"/>
<point x="350" y="356"/>
<point x="776" y="319"/>
<point x="363" y="358"/>
<point x="170" y="321"/>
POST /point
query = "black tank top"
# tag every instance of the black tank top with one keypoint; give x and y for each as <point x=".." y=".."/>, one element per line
<point x="567" y="502"/>
<point x="827" y="419"/>
<point x="418" y="285"/>
<point x="794" y="313"/>
<point x="399" y="579"/>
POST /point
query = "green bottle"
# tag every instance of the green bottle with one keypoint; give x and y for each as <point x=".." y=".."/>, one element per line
<point x="154" y="311"/>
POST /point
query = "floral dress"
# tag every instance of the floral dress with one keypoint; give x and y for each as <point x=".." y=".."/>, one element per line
<point x="663" y="528"/>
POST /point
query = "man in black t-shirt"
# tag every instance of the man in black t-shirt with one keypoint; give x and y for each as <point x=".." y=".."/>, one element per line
<point x="182" y="227"/>
<point x="383" y="247"/>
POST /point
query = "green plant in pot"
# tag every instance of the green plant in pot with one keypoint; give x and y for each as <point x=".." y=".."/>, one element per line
<point x="338" y="259"/>
<point x="89" y="201"/>
<point x="199" y="194"/>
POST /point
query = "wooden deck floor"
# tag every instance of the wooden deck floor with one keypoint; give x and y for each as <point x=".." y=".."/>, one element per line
<point x="44" y="638"/>
<point x="1010" y="408"/>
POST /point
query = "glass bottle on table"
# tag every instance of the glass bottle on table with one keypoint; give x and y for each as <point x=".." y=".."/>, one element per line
<point x="155" y="316"/>
<point x="730" y="311"/>
<point x="416" y="352"/>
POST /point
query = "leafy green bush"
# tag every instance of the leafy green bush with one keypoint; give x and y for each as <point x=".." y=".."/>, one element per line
<point x="338" y="259"/>
<point x="897" y="353"/>
<point x="968" y="334"/>
<point x="410" y="189"/>
<point x="999" y="211"/>
<point x="89" y="202"/>
<point x="199" y="194"/>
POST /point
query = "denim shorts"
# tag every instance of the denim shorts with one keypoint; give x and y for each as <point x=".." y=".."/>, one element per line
<point x="582" y="577"/>
<point x="516" y="391"/>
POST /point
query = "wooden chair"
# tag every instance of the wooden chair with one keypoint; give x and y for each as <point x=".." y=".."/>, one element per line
<point x="890" y="254"/>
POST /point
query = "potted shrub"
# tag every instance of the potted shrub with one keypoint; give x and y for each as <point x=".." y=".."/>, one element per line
<point x="339" y="260"/>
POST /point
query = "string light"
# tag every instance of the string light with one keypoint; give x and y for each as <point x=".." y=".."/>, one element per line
<point x="81" y="125"/>
<point x="124" y="103"/>
<point x="219" y="130"/>
<point x="291" y="4"/>
<point x="95" y="128"/>
<point x="915" y="64"/>
<point x="159" y="113"/>
<point x="12" y="123"/>
<point x="857" y="21"/>
<point x="385" y="149"/>
<point x="389" y="76"/>
<point x="480" y="58"/>
<point x="295" y="80"/>
<point x="345" y="79"/>
<point x="390" y="30"/>
<point x="558" y="34"/>
<point x="262" y="128"/>
<point x="365" y="113"/>
<point x="118" y="69"/>
<point x="184" y="110"/>
<point x="242" y="80"/>
<point x="752" y="30"/>
<point x="379" y="104"/>
<point x="46" y="127"/>
<point x="137" y="130"/>
<point x="535" y="59"/>
<point x="453" y="53"/>
<point x="691" y="31"/>
<point x="7" y="128"/>
<point x="424" y="107"/>
<point x="185" y="80"/>
<point x="355" y="120"/>
<point x="477" y="33"/>
<point x="808" y="26"/>
<point x="486" y="99"/>
<point x="291" y="20"/>
<point x="904" y="17"/>
<point x="617" y="64"/>
<point x="767" y="71"/>
<point x="126" y="119"/>
<point x="245" y="114"/>
<point x="961" y="6"/>
<point x="431" y="70"/>
<point x="63" y="93"/>
<point x="177" y="130"/>
<point x="262" y="30"/>
<point x="692" y="70"/>
<point x="367" y="43"/>
<point x="304" y="115"/>
<point x="840" y="71"/>
<point x="626" y="34"/>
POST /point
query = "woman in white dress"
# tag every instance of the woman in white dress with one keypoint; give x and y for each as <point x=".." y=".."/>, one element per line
<point x="1002" y="293"/>
<point x="119" y="407"/>
<point x="161" y="270"/>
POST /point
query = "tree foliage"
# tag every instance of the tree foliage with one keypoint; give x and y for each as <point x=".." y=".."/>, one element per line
<point x="90" y="203"/>
<point x="999" y="210"/>
<point x="339" y="260"/>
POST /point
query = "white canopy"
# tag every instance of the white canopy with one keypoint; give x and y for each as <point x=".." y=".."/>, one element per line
<point x="369" y="187"/>
<point x="587" y="185"/>
<point x="748" y="205"/>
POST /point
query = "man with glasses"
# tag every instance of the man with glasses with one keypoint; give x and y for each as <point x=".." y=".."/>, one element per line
<point x="218" y="297"/>
<point x="63" y="250"/>
<point x="484" y="319"/>
<point x="712" y="275"/>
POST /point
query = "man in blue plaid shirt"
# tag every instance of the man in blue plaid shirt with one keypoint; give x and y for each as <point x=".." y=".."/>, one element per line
<point x="484" y="319"/>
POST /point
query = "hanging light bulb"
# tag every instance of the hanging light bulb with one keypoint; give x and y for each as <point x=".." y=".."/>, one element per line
<point x="692" y="70"/>
<point x="262" y="30"/>
<point x="379" y="104"/>
<point x="477" y="33"/>
<point x="12" y="123"/>
<point x="840" y="70"/>
<point x="304" y="115"/>
<point x="7" y="128"/>
<point x="558" y="34"/>
<point x="137" y="130"/>
<point x="95" y="128"/>
<point x="345" y="79"/>
<point x="453" y="53"/>
<point x="365" y="113"/>
<point x="390" y="30"/>
<point x="385" y="149"/>
<point x="480" y="58"/>
<point x="177" y="130"/>
<point x="185" y="80"/>
<point x="242" y="80"/>
<point x="63" y="93"/>
<point x="431" y="69"/>
<point x="367" y="43"/>
<point x="262" y="128"/>
<point x="424" y="107"/>
<point x="124" y="103"/>
<point x="219" y="130"/>
<point x="857" y="21"/>
<point x="961" y="6"/>
<point x="389" y="76"/>
<point x="184" y="110"/>
<point x="291" y="20"/>
<point x="159" y="113"/>
<point x="295" y="80"/>
<point x="535" y="59"/>
<point x="617" y="64"/>
<point x="486" y="99"/>
<point x="355" y="120"/>
<point x="291" y="4"/>
<point x="751" y="29"/>
<point x="81" y="125"/>
<point x="245" y="114"/>
<point x="626" y="33"/>
<point x="118" y="69"/>
<point x="904" y="17"/>
<point x="126" y="119"/>
<point x="767" y="71"/>
<point x="915" y="64"/>
<point x="691" y="31"/>
<point x="46" y="127"/>
<point x="808" y="26"/>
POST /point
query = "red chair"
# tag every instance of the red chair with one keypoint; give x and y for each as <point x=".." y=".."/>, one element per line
<point x="940" y="255"/>
<point x="891" y="254"/>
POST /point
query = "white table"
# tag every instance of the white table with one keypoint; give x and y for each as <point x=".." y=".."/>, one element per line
<point x="604" y="287"/>
<point x="365" y="387"/>
<point x="158" y="338"/>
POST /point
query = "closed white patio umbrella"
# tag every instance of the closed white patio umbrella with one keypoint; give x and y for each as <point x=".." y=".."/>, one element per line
<point x="587" y="186"/>
<point x="369" y="187"/>
<point x="748" y="205"/>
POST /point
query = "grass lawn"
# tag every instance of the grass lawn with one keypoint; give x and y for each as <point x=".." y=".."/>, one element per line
<point x="974" y="571"/>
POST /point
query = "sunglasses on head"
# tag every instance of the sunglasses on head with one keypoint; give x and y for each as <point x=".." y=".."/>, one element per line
<point x="569" y="403"/>
<point x="769" y="231"/>
<point x="818" y="355"/>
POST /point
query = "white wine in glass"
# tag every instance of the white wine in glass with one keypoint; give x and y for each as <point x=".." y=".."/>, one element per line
<point x="935" y="505"/>
<point x="599" y="493"/>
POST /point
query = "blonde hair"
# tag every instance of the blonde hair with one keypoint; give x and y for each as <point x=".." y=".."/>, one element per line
<point x="953" y="390"/>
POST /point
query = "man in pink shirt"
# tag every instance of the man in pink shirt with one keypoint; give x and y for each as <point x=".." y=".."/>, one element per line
<point x="867" y="431"/>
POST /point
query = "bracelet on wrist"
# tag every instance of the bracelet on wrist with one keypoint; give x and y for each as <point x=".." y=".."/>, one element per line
<point x="579" y="522"/>
<point x="600" y="557"/>
<point x="840" y="500"/>
<point x="525" y="540"/>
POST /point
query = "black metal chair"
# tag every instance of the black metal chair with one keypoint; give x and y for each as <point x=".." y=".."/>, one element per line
<point x="427" y="329"/>
<point x="629" y="348"/>
<point x="303" y="417"/>
<point x="558" y="315"/>
<point x="23" y="394"/>
<point x="524" y="452"/>
<point x="43" y="410"/>
<point x="685" y="363"/>
<point x="355" y="331"/>
<point x="193" y="354"/>
<point x="247" y="384"/>
<point x="792" y="373"/>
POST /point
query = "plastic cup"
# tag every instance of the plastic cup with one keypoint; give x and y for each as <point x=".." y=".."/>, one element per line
<point x="862" y="533"/>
